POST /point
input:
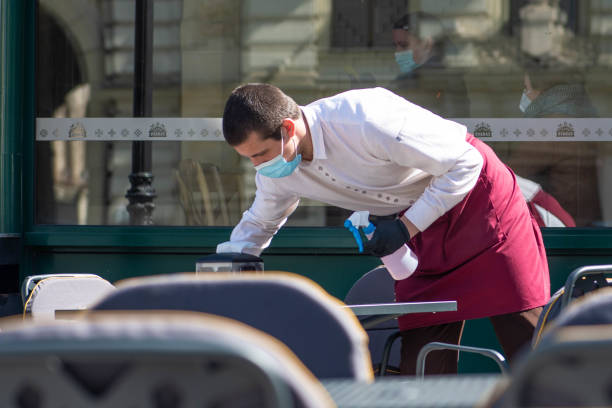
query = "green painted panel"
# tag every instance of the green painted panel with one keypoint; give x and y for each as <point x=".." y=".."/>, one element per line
<point x="11" y="114"/>
<point x="307" y="240"/>
<point x="335" y="274"/>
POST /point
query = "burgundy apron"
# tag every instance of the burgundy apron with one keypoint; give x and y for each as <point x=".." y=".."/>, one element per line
<point x="486" y="253"/>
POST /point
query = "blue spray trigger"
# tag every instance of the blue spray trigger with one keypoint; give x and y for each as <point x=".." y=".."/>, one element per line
<point x="369" y="229"/>
<point x="349" y="225"/>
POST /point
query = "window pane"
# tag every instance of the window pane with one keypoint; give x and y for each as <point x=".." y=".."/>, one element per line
<point x="529" y="78"/>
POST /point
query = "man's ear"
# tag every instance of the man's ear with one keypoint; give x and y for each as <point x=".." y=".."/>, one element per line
<point x="289" y="126"/>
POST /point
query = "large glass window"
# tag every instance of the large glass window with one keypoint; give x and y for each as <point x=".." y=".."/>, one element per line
<point x="528" y="77"/>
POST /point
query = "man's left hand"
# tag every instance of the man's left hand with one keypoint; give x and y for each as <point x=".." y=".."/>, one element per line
<point x="388" y="237"/>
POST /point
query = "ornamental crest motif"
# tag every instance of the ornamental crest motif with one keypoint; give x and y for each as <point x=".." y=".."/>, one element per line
<point x="157" y="130"/>
<point x="483" y="130"/>
<point x="565" y="130"/>
<point x="77" y="130"/>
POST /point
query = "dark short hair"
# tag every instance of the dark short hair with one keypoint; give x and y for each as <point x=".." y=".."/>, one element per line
<point x="256" y="107"/>
<point x="410" y="22"/>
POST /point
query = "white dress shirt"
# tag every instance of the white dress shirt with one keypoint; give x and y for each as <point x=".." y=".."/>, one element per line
<point x="372" y="150"/>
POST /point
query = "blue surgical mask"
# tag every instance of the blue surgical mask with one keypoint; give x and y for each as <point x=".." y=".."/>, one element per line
<point x="525" y="102"/>
<point x="406" y="62"/>
<point x="278" y="166"/>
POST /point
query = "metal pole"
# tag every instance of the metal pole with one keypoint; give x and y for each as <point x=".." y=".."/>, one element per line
<point x="142" y="193"/>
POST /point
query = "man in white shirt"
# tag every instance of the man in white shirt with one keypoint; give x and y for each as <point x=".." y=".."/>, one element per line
<point x="457" y="206"/>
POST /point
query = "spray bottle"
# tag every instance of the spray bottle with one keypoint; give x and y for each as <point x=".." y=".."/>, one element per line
<point x="400" y="264"/>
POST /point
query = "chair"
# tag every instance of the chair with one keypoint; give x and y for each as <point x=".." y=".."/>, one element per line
<point x="594" y="308"/>
<point x="579" y="282"/>
<point x="58" y="295"/>
<point x="140" y="359"/>
<point x="377" y="286"/>
<point x="571" y="365"/>
<point x="291" y="308"/>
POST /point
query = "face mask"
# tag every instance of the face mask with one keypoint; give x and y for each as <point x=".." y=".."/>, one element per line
<point x="405" y="60"/>
<point x="525" y="102"/>
<point x="278" y="166"/>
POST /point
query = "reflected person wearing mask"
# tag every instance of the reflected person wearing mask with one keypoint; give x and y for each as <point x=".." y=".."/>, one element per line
<point x="412" y="51"/>
<point x="567" y="170"/>
<point x="421" y="44"/>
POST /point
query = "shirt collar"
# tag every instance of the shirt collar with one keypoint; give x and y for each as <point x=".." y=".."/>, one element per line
<point x="316" y="133"/>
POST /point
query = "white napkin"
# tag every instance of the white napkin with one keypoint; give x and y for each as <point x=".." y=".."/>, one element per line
<point x="238" y="247"/>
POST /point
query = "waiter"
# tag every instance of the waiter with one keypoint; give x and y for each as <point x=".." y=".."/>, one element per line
<point x="455" y="204"/>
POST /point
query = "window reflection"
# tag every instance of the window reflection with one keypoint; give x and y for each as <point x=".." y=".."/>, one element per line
<point x="485" y="59"/>
<point x="428" y="76"/>
<point x="62" y="193"/>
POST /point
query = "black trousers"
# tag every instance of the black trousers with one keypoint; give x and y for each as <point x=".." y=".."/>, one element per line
<point x="514" y="331"/>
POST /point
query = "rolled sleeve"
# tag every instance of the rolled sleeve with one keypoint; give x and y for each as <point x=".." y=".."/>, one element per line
<point x="446" y="190"/>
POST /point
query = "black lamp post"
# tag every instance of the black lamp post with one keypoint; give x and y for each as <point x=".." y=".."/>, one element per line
<point x="142" y="193"/>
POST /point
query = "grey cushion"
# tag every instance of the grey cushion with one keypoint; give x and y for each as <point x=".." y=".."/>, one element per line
<point x="144" y="359"/>
<point x="327" y="338"/>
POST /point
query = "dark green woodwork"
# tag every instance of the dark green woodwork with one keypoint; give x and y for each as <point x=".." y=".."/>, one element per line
<point x="335" y="273"/>
<point x="11" y="115"/>
<point x="557" y="240"/>
<point x="12" y="100"/>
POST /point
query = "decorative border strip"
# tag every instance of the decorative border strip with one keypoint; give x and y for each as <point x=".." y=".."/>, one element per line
<point x="540" y="129"/>
<point x="114" y="129"/>
<point x="209" y="129"/>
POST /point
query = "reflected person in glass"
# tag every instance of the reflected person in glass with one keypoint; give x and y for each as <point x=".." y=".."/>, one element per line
<point x="567" y="170"/>
<point x="422" y="46"/>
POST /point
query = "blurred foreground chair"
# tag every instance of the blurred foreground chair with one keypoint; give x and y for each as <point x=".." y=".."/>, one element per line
<point x="594" y="308"/>
<point x="579" y="282"/>
<point x="326" y="337"/>
<point x="377" y="286"/>
<point x="58" y="295"/>
<point x="139" y="359"/>
<point x="571" y="365"/>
